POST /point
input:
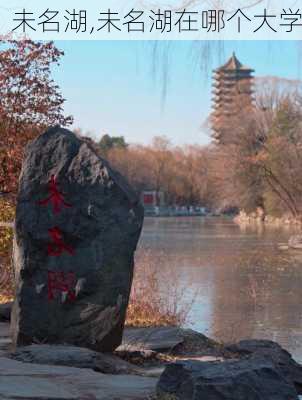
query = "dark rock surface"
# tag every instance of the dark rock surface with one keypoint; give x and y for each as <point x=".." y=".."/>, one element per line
<point x="156" y="339"/>
<point x="273" y="351"/>
<point x="5" y="339"/>
<point x="69" y="356"/>
<point x="196" y="344"/>
<point x="5" y="311"/>
<point x="77" y="357"/>
<point x="76" y="231"/>
<point x="250" y="379"/>
<point x="169" y="339"/>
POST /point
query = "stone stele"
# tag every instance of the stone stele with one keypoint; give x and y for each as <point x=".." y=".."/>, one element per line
<point x="76" y="230"/>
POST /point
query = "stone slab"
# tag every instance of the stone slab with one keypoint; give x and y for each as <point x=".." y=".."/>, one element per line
<point x="42" y="382"/>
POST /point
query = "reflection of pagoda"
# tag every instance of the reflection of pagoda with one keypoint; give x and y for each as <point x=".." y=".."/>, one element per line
<point x="233" y="91"/>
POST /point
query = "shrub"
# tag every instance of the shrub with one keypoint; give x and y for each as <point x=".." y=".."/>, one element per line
<point x="7" y="213"/>
<point x="158" y="295"/>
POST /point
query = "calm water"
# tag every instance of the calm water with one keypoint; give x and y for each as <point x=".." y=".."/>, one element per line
<point x="244" y="287"/>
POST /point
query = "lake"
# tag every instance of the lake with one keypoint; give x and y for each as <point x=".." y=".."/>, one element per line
<point x="242" y="285"/>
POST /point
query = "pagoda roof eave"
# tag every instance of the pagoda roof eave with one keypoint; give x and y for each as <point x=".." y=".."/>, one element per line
<point x="233" y="64"/>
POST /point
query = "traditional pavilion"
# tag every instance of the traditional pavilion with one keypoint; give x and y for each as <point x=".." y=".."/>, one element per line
<point x="233" y="92"/>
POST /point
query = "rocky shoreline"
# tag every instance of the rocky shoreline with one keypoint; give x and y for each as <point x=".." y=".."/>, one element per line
<point x="258" y="218"/>
<point x="152" y="363"/>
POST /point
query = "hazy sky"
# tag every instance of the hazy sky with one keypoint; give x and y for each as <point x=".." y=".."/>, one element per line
<point x="110" y="87"/>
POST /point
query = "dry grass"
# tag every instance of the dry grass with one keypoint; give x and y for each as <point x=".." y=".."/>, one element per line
<point x="159" y="296"/>
<point x="6" y="273"/>
<point x="7" y="212"/>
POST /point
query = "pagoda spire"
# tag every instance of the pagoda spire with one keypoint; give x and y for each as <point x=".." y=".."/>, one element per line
<point x="232" y="92"/>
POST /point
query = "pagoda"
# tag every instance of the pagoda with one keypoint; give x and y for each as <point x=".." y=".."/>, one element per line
<point x="233" y="94"/>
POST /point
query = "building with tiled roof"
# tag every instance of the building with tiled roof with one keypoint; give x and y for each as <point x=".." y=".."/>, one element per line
<point x="232" y="93"/>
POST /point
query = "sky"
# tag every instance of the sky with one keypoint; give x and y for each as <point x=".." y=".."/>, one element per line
<point x="117" y="87"/>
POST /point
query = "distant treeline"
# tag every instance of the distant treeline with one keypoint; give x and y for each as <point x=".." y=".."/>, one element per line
<point x="182" y="173"/>
<point x="259" y="165"/>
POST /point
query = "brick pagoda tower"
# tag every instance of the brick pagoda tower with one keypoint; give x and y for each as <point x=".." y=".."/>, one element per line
<point x="233" y="92"/>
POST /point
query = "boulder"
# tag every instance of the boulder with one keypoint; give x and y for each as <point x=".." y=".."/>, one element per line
<point x="250" y="379"/>
<point x="72" y="356"/>
<point x="174" y="340"/>
<point x="76" y="230"/>
<point x="154" y="338"/>
<point x="195" y="344"/>
<point x="5" y="311"/>
<point x="274" y="352"/>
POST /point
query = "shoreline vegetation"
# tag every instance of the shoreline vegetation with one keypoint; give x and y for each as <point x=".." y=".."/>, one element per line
<point x="154" y="301"/>
<point x="255" y="218"/>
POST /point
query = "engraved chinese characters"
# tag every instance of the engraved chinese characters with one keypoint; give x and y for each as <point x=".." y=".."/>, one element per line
<point x="58" y="281"/>
<point x="61" y="282"/>
<point x="76" y="230"/>
<point x="55" y="197"/>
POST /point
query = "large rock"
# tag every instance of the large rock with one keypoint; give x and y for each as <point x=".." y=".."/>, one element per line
<point x="5" y="311"/>
<point x="274" y="352"/>
<point x="251" y="379"/>
<point x="77" y="226"/>
<point x="162" y="338"/>
<point x="174" y="340"/>
<point x="72" y="356"/>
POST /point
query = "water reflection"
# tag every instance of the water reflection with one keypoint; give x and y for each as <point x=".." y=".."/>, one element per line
<point x="246" y="286"/>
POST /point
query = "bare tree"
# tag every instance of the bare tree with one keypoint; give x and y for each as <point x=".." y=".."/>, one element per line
<point x="262" y="159"/>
